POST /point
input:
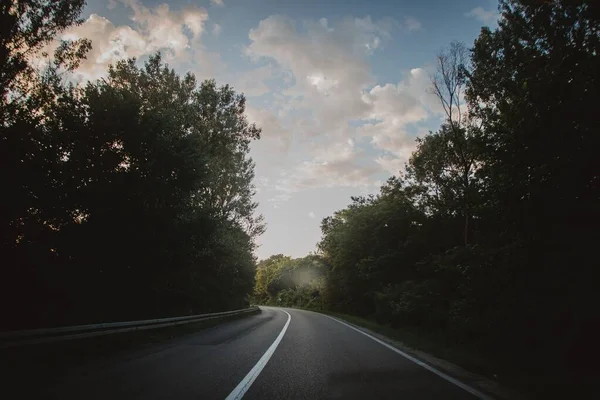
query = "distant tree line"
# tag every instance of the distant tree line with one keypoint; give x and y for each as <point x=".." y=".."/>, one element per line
<point x="488" y="237"/>
<point x="292" y="282"/>
<point x="127" y="197"/>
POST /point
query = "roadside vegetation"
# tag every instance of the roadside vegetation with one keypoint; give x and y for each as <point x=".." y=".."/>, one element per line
<point x="486" y="241"/>
<point x="129" y="197"/>
<point x="282" y="280"/>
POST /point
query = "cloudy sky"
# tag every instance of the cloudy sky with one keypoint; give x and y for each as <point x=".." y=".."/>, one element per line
<point x="338" y="87"/>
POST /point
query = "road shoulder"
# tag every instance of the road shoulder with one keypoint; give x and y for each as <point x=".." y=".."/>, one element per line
<point x="477" y="381"/>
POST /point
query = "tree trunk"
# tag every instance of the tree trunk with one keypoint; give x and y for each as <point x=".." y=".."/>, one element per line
<point x="466" y="199"/>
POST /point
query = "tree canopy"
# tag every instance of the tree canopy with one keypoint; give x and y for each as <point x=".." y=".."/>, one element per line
<point x="127" y="197"/>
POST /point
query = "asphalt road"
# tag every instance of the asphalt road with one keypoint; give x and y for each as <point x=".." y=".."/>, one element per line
<point x="311" y="357"/>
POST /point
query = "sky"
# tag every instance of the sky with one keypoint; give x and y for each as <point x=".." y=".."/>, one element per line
<point x="339" y="88"/>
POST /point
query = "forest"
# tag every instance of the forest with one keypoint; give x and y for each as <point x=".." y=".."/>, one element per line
<point x="128" y="197"/>
<point x="486" y="239"/>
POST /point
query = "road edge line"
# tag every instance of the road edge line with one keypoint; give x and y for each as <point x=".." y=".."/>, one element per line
<point x="428" y="367"/>
<point x="245" y="384"/>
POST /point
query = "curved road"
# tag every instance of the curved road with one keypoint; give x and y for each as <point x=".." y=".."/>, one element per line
<point x="312" y="356"/>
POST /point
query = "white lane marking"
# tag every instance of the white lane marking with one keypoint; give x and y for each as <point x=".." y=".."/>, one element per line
<point x="442" y="375"/>
<point x="245" y="384"/>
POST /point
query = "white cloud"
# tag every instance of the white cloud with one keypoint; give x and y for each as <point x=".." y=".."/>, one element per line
<point x="331" y="74"/>
<point x="254" y="82"/>
<point x="394" y="107"/>
<point x="164" y="27"/>
<point x="317" y="174"/>
<point x="338" y="164"/>
<point x="216" y="29"/>
<point x="217" y="2"/>
<point x="330" y="86"/>
<point x="412" y="24"/>
<point x="397" y="104"/>
<point x="328" y="63"/>
<point x="175" y="33"/>
<point x="109" y="44"/>
<point x="280" y="198"/>
<point x="327" y="174"/>
<point x="312" y="215"/>
<point x="273" y="133"/>
<point x="260" y="183"/>
<point x="391" y="164"/>
<point x="483" y="15"/>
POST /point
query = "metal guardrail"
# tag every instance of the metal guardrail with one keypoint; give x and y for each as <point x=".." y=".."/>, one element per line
<point x="35" y="336"/>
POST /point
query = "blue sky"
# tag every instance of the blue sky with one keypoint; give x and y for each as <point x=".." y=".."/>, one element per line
<point x="338" y="87"/>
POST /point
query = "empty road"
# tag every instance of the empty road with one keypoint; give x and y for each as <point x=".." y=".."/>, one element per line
<point x="277" y="354"/>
